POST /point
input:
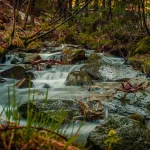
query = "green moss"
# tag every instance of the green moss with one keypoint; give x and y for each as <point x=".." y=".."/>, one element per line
<point x="1" y="50"/>
<point x="35" y="45"/>
<point x="141" y="62"/>
<point x="93" y="58"/>
<point x="78" y="78"/>
<point x="70" y="52"/>
<point x="89" y="23"/>
<point x="143" y="46"/>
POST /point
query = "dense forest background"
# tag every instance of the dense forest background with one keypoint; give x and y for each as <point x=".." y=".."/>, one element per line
<point x="113" y="26"/>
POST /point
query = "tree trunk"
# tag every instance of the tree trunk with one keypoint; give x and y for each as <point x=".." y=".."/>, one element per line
<point x="86" y="9"/>
<point x="26" y="14"/>
<point x="109" y="10"/>
<point x="70" y="7"/>
<point x="77" y="3"/>
<point x="96" y="5"/>
<point x="104" y="7"/>
<point x="143" y="17"/>
<point x="14" y="24"/>
<point x="65" y="8"/>
<point x="139" y="13"/>
<point x="59" y="7"/>
<point x="32" y="11"/>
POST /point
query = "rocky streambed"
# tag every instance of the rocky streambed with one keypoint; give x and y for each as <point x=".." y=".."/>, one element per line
<point x="94" y="88"/>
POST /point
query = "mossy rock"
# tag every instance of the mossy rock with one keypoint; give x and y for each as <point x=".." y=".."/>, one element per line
<point x="93" y="59"/>
<point x="143" y="46"/>
<point x="2" y="27"/>
<point x="141" y="62"/>
<point x="131" y="134"/>
<point x="35" y="45"/>
<point x="16" y="72"/>
<point x="2" y="50"/>
<point x="72" y="55"/>
<point x="92" y="66"/>
<point x="78" y="78"/>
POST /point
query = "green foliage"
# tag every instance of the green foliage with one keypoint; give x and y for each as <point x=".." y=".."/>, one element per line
<point x="93" y="58"/>
<point x="35" y="45"/>
<point x="111" y="140"/>
<point x="86" y="40"/>
<point x="141" y="62"/>
<point x="44" y="5"/>
<point x="1" y="50"/>
<point x="143" y="46"/>
<point x="89" y="24"/>
<point x="67" y="34"/>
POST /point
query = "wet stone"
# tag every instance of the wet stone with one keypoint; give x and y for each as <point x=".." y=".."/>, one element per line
<point x="24" y="107"/>
<point x="16" y="72"/>
<point x="78" y="78"/>
<point x="132" y="134"/>
<point x="2" y="80"/>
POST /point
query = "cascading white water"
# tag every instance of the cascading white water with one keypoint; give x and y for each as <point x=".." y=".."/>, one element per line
<point x="8" y="59"/>
<point x="54" y="77"/>
<point x="52" y="56"/>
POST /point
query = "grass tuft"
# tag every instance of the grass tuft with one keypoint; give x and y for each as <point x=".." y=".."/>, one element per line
<point x="42" y="131"/>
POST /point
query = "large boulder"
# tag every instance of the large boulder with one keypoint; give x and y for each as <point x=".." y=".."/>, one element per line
<point x="34" y="47"/>
<point x="41" y="109"/>
<point x="132" y="134"/>
<point x="92" y="66"/>
<point x="78" y="78"/>
<point x="127" y="104"/>
<point x="16" y="72"/>
<point x="72" y="55"/>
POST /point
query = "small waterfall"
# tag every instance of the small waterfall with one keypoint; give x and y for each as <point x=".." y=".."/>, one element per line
<point x="57" y="72"/>
<point x="8" y="59"/>
<point x="52" y="56"/>
<point x="55" y="77"/>
<point x="106" y="110"/>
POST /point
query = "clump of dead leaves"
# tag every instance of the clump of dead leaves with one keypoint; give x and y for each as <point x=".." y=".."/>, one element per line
<point x="14" y="137"/>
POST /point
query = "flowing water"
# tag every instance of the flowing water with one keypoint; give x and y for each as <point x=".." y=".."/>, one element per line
<point x="53" y="80"/>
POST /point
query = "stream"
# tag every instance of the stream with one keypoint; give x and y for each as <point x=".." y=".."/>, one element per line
<point x="113" y="71"/>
